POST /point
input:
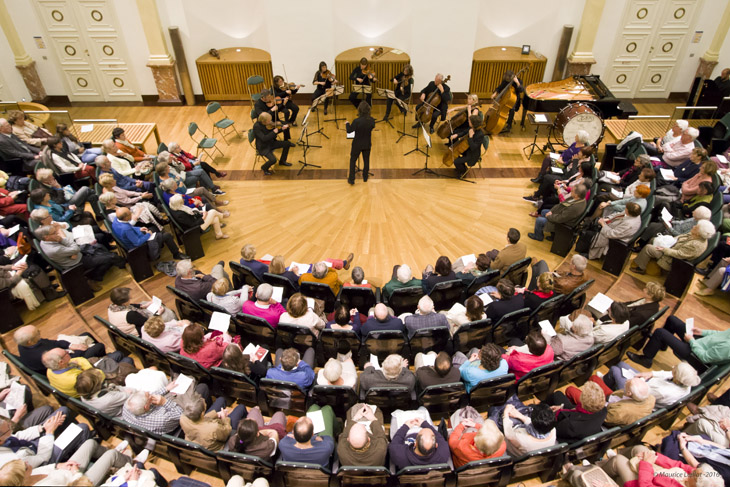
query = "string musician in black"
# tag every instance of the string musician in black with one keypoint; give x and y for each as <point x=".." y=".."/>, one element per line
<point x="363" y="74"/>
<point x="403" y="82"/>
<point x="267" y="104"/>
<point x="323" y="80"/>
<point x="518" y="88"/>
<point x="286" y="93"/>
<point x="471" y="155"/>
<point x="436" y="84"/>
<point x="363" y="126"/>
<point x="265" y="131"/>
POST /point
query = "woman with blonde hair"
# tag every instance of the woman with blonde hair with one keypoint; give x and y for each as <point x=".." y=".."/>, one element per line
<point x="26" y="131"/>
<point x="144" y="213"/>
<point x="188" y="218"/>
<point x="278" y="267"/>
<point x="222" y="295"/>
<point x="579" y="412"/>
<point x="544" y="291"/>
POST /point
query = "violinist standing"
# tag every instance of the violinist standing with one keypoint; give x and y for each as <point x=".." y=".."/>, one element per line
<point x="518" y="88"/>
<point x="472" y="102"/>
<point x="403" y="82"/>
<point x="471" y="155"/>
<point x="265" y="131"/>
<point x="436" y="84"/>
<point x="288" y="107"/>
<point x="361" y="75"/>
<point x="267" y="104"/>
<point x="323" y="80"/>
<point x="363" y="127"/>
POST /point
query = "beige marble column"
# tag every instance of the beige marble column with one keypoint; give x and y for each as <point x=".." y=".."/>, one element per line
<point x="709" y="59"/>
<point x="23" y="62"/>
<point x="581" y="59"/>
<point x="160" y="61"/>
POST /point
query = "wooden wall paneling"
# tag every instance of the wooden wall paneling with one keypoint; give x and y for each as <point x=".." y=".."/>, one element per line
<point x="490" y="63"/>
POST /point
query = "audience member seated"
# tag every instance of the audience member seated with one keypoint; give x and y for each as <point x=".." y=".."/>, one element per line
<point x="550" y="196"/>
<point x="123" y="163"/>
<point x="257" y="438"/>
<point x="66" y="162"/>
<point x="33" y="442"/>
<point x="264" y="307"/>
<point x="576" y="421"/>
<point x="675" y="228"/>
<point x="393" y="373"/>
<point x="425" y="317"/>
<point x="205" y="348"/>
<point x="544" y="291"/>
<point x="248" y="258"/>
<point x="25" y="280"/>
<point x="358" y="278"/>
<point x="582" y="138"/>
<point x="11" y="147"/>
<point x="157" y="411"/>
<point x="514" y="251"/>
<point x="563" y="283"/>
<point x="576" y="337"/>
<point x="381" y="320"/>
<point x="402" y="277"/>
<point x="714" y="279"/>
<point x="618" y="323"/>
<point x="625" y="406"/>
<point x="95" y="391"/>
<point x="443" y="370"/>
<point x="482" y="365"/>
<point x="277" y="267"/>
<point x="67" y="195"/>
<point x="63" y="370"/>
<point x="338" y="373"/>
<point x="667" y="386"/>
<point x="192" y="178"/>
<point x="535" y="353"/>
<point x="303" y="446"/>
<point x="416" y="442"/>
<point x="467" y="273"/>
<point x="59" y="247"/>
<point x="321" y="273"/>
<point x="72" y="145"/>
<point x="289" y="367"/>
<point x="9" y="205"/>
<point x="165" y="336"/>
<point x="608" y="209"/>
<point x="687" y="170"/>
<point x="130" y="318"/>
<point x="505" y="301"/>
<point x="27" y="132"/>
<point x="344" y="319"/>
<point x="65" y="212"/>
<point x="709" y="346"/>
<point x="676" y="152"/>
<point x="441" y="273"/>
<point x="124" y="197"/>
<point x="691" y="187"/>
<point x="688" y="247"/>
<point x="221" y="294"/>
<point x="133" y="237"/>
<point x="31" y="348"/>
<point x="144" y="214"/>
<point x="171" y="184"/>
<point x="122" y="180"/>
<point x="212" y="428"/>
<point x="363" y="442"/>
<point x="298" y="312"/>
<point x="674" y="133"/>
<point x="641" y="172"/>
<point x="234" y="359"/>
<point x="193" y="282"/>
<point x="191" y="162"/>
<point x="188" y="218"/>
<point x="473" y="310"/>
<point x="619" y="227"/>
<point x="566" y="212"/>
<point x="120" y="140"/>
<point x="525" y="433"/>
<point x="474" y="438"/>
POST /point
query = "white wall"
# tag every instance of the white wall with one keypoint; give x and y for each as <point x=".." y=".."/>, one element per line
<point x="130" y="25"/>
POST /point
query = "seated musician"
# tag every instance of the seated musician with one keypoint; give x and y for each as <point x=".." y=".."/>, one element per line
<point x="518" y="88"/>
<point x="265" y="132"/>
<point x="363" y="74"/>
<point x="403" y="82"/>
<point x="471" y="155"/>
<point x="268" y="105"/>
<point x="323" y="80"/>
<point x="436" y="84"/>
<point x="472" y="101"/>
<point x="288" y="107"/>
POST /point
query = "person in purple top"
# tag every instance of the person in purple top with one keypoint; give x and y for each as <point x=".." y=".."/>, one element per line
<point x="423" y="447"/>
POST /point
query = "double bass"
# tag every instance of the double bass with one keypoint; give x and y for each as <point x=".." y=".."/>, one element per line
<point x="496" y="117"/>
<point x="425" y="111"/>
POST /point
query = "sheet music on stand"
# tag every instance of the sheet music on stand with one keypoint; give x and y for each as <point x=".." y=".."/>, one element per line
<point x="362" y="89"/>
<point x="304" y="137"/>
<point x="320" y="130"/>
<point x="426" y="136"/>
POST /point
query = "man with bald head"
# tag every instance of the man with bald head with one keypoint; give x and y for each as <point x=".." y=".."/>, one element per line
<point x="133" y="237"/>
<point x="417" y="442"/>
<point x="363" y="442"/>
<point x="11" y="147"/>
<point x="381" y="321"/>
<point x="31" y="348"/>
<point x="631" y="404"/>
<point x="303" y="445"/>
<point x="425" y="317"/>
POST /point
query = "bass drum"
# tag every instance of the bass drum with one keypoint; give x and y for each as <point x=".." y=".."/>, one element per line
<point x="575" y="117"/>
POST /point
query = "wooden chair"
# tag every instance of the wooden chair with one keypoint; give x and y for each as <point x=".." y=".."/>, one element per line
<point x="381" y="344"/>
<point x="682" y="272"/>
<point x="436" y="475"/>
<point x="296" y="336"/>
<point x="545" y="463"/>
<point x="281" y="281"/>
<point x="581" y="367"/>
<point x="329" y="343"/>
<point x="517" y="272"/>
<point x="593" y="447"/>
<point x="351" y="476"/>
<point x="511" y="325"/>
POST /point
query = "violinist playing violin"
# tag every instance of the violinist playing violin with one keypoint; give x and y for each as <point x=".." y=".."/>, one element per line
<point x="436" y="84"/>
<point x="267" y="104"/>
<point x="403" y="82"/>
<point x="286" y="92"/>
<point x="518" y="88"/>
<point x="471" y="155"/>
<point x="472" y="102"/>
<point x="323" y="80"/>
<point x="362" y="75"/>
<point x="265" y="131"/>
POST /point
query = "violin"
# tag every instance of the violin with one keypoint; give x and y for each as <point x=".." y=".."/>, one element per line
<point x="274" y="125"/>
<point x="329" y="76"/>
<point x="369" y="72"/>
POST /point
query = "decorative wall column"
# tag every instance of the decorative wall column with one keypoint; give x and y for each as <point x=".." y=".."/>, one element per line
<point x="160" y="61"/>
<point x="23" y="62"/>
<point x="709" y="59"/>
<point x="581" y="60"/>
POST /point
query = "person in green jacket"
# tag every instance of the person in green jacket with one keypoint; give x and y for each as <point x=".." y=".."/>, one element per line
<point x="402" y="277"/>
<point x="709" y="346"/>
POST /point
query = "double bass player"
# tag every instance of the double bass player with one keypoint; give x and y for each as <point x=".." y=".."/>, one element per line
<point x="518" y="88"/>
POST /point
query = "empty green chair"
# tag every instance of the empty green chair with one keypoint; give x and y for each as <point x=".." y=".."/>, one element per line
<point x="225" y="125"/>
<point x="253" y="88"/>
<point x="205" y="143"/>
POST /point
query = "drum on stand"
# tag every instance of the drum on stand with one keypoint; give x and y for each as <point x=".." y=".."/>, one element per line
<point x="575" y="117"/>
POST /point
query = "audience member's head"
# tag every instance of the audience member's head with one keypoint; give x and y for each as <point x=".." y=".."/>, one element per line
<point x="246" y="434"/>
<point x="176" y="202"/>
<point x="139" y="403"/>
<point x="332" y="370"/>
<point x="220" y="287"/>
<point x="582" y="326"/>
<point x="109" y="200"/>
<point x="619" y="312"/>
<point x="297" y="305"/>
<point x="234" y="359"/>
<point x="154" y="326"/>
<point x="264" y="292"/>
<point x="108" y="146"/>
<point x="689" y="135"/>
<point x="699" y="213"/>
<point x="579" y="192"/>
<point x="89" y="382"/>
<point x="488" y="439"/>
<point x="358" y="275"/>
<point x="474" y="308"/>
<point x="277" y="265"/>
<point x="168" y="185"/>
<point x="578" y="263"/>
<point x="120" y="296"/>
<point x="358" y="436"/>
<point x="107" y="181"/>
<point x="644" y="161"/>
<point x="55" y="359"/>
<point x="637" y="388"/>
<point x="483" y="262"/>
<point x="655" y="291"/>
<point x="442" y="364"/>
<point x="642" y="191"/>
<point x="40" y="196"/>
<point x="194" y="409"/>
<point x="303" y="430"/>
<point x="16" y="472"/>
<point x="647" y="174"/>
<point x="26" y="336"/>
<point x="685" y="375"/>
<point x="381" y="312"/>
<point x="543" y="418"/>
<point x="513" y="236"/>
<point x="490" y="356"/>
<point x="592" y="397"/>
<point x="319" y="270"/>
<point x="193" y="338"/>
<point x="185" y="268"/>
<point x="443" y="266"/>
<point x="536" y="343"/>
<point x="42" y="217"/>
<point x="342" y="315"/>
<point x="425" y="442"/>
<point x="545" y="282"/>
<point x="248" y="252"/>
<point x="44" y="175"/>
<point x="392" y="366"/>
<point x="404" y="274"/>
<point x="289" y="359"/>
<point x="123" y="214"/>
<point x="506" y="289"/>
<point x="425" y="305"/>
<point x="633" y="209"/>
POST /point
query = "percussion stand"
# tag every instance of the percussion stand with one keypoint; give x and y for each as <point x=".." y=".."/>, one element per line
<point x="537" y="124"/>
<point x="336" y="92"/>
<point x="320" y="130"/>
<point x="304" y="141"/>
<point x="425" y="167"/>
<point x="387" y="94"/>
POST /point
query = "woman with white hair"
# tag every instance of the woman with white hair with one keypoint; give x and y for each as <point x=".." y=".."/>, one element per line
<point x="667" y="386"/>
<point x="582" y="139"/>
<point x="688" y="247"/>
<point x="190" y="162"/>
<point x="675" y="228"/>
<point x="652" y="148"/>
<point x="144" y="213"/>
<point x="402" y="277"/>
<point x="188" y="218"/>
<point x="338" y="373"/>
<point x="123" y="163"/>
<point x="676" y="152"/>
<point x="576" y="337"/>
<point x="393" y="372"/>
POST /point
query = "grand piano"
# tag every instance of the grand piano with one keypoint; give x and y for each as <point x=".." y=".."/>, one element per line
<point x="556" y="95"/>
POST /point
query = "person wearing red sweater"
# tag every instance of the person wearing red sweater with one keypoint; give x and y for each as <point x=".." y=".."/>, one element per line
<point x="8" y="206"/>
<point x="480" y="442"/>
<point x="522" y="361"/>
<point x="206" y="349"/>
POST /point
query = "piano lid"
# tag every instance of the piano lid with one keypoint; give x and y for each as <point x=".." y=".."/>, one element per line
<point x="576" y="88"/>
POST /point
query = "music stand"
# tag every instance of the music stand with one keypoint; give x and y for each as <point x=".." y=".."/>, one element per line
<point x="537" y="120"/>
<point x="304" y="141"/>
<point x="315" y="103"/>
<point x="336" y="91"/>
<point x="425" y="168"/>
<point x="418" y="149"/>
<point x="407" y="108"/>
<point x="386" y="94"/>
<point x="363" y="89"/>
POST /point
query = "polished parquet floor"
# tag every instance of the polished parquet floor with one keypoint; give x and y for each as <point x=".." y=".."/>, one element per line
<point x="394" y="218"/>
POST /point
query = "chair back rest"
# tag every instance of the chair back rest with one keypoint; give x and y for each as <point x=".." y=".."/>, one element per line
<point x="298" y="336"/>
<point x="184" y="365"/>
<point x="513" y="324"/>
<point x="540" y="381"/>
<point x="580" y="367"/>
<point x="576" y="299"/>
<point x="614" y="350"/>
<point x="384" y="343"/>
<point x="329" y="342"/>
<point x="242" y="274"/>
<point x="351" y="476"/>
<point x="633" y="433"/>
<point x="405" y="299"/>
<point x="284" y="395"/>
<point x="544" y="462"/>
<point x="254" y="329"/>
<point x="187" y="307"/>
<point x="546" y="310"/>
<point x="280" y="281"/>
<point x="484" y="472"/>
<point x="341" y="398"/>
<point x="471" y="335"/>
<point x="388" y="399"/>
<point x="247" y="466"/>
<point x="319" y="290"/>
<point x="426" y="339"/>
<point x="235" y="385"/>
<point x="361" y="298"/>
<point x="593" y="447"/>
<point x="517" y="272"/>
<point x="192" y="128"/>
<point x="303" y="474"/>
<point x="212" y="107"/>
<point x="443" y="398"/>
<point x="40" y="381"/>
<point x="492" y="392"/>
<point x="444" y="294"/>
<point x="188" y="456"/>
<point x="489" y="278"/>
<point x="210" y="308"/>
<point x="424" y="476"/>
<point x="254" y="80"/>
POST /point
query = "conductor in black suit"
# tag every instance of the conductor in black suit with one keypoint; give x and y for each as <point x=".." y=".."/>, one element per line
<point x="471" y="155"/>
<point x="363" y="126"/>
<point x="11" y="147"/>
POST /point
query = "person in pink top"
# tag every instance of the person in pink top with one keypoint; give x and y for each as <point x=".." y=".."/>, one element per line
<point x="205" y="349"/>
<point x="675" y="153"/>
<point x="167" y="337"/>
<point x="538" y="353"/>
<point x="264" y="307"/>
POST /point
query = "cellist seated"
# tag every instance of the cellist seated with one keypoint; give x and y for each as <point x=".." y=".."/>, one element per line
<point x="438" y="111"/>
<point x="471" y="155"/>
<point x="453" y="132"/>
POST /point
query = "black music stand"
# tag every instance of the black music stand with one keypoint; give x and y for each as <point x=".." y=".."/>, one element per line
<point x="426" y="137"/>
<point x="304" y="142"/>
<point x="425" y="168"/>
<point x="386" y="94"/>
<point x="315" y="103"/>
<point x="537" y="120"/>
<point x="336" y="91"/>
<point x="364" y="90"/>
<point x="407" y="108"/>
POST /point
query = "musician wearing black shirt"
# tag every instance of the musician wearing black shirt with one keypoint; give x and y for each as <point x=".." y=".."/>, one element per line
<point x="362" y="75"/>
<point x="362" y="126"/>
<point x="323" y="80"/>
<point x="519" y="88"/>
<point x="723" y="82"/>
<point x="472" y="102"/>
<point x="440" y="111"/>
<point x="403" y="82"/>
<point x="287" y="105"/>
<point x="266" y="104"/>
<point x="471" y="155"/>
<point x="265" y="131"/>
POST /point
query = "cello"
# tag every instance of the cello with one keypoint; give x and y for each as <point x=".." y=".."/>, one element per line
<point x="457" y="148"/>
<point x="425" y="111"/>
<point x="496" y="117"/>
